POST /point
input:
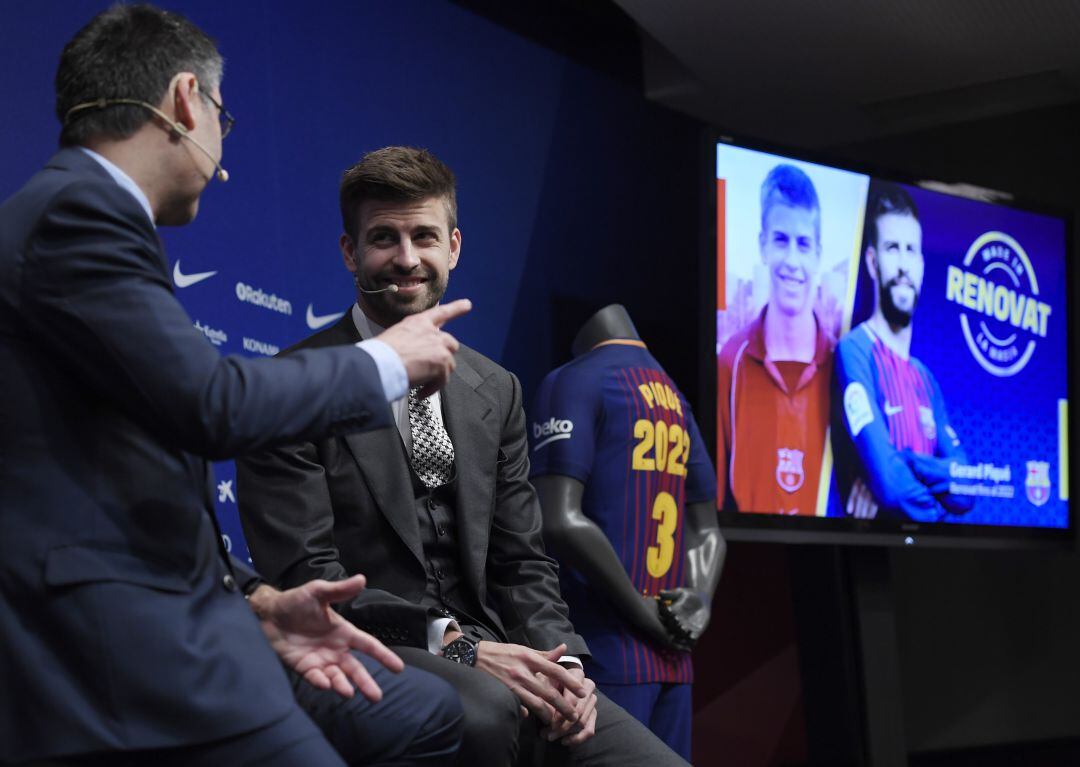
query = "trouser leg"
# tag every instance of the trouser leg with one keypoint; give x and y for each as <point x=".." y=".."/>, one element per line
<point x="491" y="711"/>
<point x="419" y="720"/>
<point x="620" y="740"/>
<point x="291" y="741"/>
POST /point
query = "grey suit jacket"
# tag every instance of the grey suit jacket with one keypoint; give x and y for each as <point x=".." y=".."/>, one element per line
<point x="345" y="505"/>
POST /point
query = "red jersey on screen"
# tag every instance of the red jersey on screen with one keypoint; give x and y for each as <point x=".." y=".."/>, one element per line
<point x="770" y="432"/>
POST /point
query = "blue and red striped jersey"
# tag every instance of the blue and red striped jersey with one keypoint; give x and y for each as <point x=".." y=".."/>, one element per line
<point x="613" y="419"/>
<point x="890" y="429"/>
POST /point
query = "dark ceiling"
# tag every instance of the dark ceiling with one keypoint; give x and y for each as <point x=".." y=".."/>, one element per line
<point x="822" y="74"/>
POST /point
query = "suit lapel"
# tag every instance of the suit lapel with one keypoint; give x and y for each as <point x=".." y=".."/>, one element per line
<point x="467" y="413"/>
<point x="379" y="455"/>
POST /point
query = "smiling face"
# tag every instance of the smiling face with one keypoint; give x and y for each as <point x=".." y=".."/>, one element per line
<point x="896" y="265"/>
<point x="792" y="254"/>
<point x="406" y="244"/>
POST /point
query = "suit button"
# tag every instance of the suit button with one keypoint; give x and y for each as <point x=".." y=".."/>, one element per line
<point x="431" y="504"/>
<point x="440" y="530"/>
<point x="439" y="574"/>
<point x="229" y="583"/>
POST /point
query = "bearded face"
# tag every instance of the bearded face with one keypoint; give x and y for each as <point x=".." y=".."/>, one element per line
<point x="899" y="266"/>
<point x="407" y="247"/>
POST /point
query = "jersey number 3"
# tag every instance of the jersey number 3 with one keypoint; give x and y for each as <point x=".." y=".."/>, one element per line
<point x="659" y="557"/>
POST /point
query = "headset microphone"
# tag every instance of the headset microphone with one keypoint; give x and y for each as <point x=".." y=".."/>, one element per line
<point x="182" y="131"/>
<point x="390" y="288"/>
<point x="222" y="174"/>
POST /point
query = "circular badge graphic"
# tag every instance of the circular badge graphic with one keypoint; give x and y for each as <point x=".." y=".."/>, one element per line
<point x="1002" y="317"/>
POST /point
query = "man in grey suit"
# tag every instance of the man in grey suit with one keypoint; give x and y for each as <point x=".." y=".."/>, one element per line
<point x="439" y="512"/>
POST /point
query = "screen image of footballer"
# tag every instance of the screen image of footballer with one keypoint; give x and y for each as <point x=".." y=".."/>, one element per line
<point x="887" y="352"/>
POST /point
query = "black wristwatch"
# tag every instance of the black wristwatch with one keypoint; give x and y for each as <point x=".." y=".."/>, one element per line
<point x="462" y="650"/>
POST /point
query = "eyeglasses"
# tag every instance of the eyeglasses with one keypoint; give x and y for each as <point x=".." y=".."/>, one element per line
<point x="226" y="119"/>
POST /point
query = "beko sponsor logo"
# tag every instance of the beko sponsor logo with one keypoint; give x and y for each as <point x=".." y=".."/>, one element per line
<point x="215" y="336"/>
<point x="257" y="297"/>
<point x="553" y="429"/>
<point x="187" y="280"/>
<point x="260" y="347"/>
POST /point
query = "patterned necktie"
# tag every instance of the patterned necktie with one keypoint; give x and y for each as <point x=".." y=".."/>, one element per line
<point x="432" y="450"/>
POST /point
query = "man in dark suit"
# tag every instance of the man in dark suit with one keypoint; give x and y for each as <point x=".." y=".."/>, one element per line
<point x="125" y="632"/>
<point x="439" y="513"/>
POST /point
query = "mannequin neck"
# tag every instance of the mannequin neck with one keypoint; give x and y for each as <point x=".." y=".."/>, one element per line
<point x="610" y="323"/>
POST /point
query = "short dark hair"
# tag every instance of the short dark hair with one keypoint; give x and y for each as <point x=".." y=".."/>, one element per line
<point x="791" y="186"/>
<point x="886" y="197"/>
<point x="396" y="174"/>
<point x="128" y="52"/>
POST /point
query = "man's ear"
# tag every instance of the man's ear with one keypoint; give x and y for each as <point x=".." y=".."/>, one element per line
<point x="871" y="262"/>
<point x="348" y="252"/>
<point x="455" y="247"/>
<point x="180" y="101"/>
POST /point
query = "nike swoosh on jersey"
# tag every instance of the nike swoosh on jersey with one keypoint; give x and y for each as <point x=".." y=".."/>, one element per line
<point x="187" y="280"/>
<point x="316" y="321"/>
<point x="893" y="409"/>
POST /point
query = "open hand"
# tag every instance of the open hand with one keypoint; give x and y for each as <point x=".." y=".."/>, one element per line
<point x="315" y="641"/>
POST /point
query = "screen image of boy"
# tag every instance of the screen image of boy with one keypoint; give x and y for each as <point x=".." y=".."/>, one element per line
<point x="773" y="375"/>
<point x="892" y="439"/>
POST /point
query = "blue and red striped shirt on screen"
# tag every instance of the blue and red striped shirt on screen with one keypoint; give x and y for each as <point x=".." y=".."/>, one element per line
<point x="891" y="429"/>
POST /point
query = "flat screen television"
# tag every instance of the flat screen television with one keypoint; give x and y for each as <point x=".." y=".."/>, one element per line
<point x="891" y="358"/>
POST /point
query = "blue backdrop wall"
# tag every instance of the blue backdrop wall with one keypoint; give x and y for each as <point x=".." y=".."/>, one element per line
<point x="573" y="191"/>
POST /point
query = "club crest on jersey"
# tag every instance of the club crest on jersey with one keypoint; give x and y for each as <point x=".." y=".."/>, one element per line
<point x="789" y="469"/>
<point x="1037" y="482"/>
<point x="926" y="420"/>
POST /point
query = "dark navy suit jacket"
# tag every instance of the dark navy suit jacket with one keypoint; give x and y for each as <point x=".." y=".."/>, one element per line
<point x="118" y="626"/>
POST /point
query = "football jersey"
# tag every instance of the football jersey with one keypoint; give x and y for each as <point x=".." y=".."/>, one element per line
<point x="890" y="428"/>
<point x="770" y="427"/>
<point x="614" y="420"/>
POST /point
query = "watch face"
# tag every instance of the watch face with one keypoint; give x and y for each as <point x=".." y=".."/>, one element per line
<point x="461" y="651"/>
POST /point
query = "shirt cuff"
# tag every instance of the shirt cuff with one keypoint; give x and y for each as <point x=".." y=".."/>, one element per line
<point x="573" y="660"/>
<point x="436" y="630"/>
<point x="395" y="381"/>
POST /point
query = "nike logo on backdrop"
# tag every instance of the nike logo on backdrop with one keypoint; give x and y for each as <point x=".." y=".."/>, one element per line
<point x="892" y="409"/>
<point x="316" y="321"/>
<point x="187" y="280"/>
